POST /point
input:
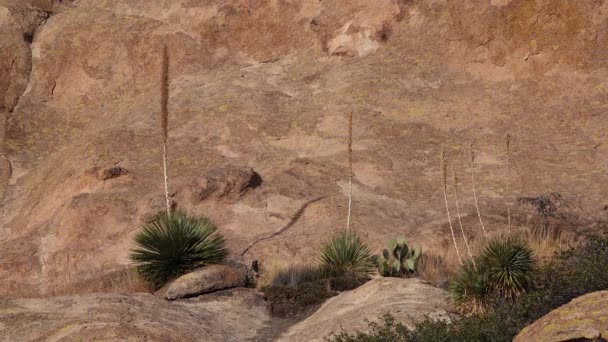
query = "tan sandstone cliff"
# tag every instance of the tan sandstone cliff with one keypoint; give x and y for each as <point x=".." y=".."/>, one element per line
<point x="268" y="84"/>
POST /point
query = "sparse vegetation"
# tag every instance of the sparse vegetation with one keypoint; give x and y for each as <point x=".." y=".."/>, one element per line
<point x="572" y="273"/>
<point x="175" y="244"/>
<point x="292" y="300"/>
<point x="345" y="253"/>
<point x="344" y="264"/>
<point x="296" y="275"/>
<point x="434" y="269"/>
<point x="502" y="270"/>
<point x="547" y="206"/>
<point x="397" y="259"/>
<point x="298" y="287"/>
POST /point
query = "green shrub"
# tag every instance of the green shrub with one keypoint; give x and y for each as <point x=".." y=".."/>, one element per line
<point x="346" y="253"/>
<point x="503" y="269"/>
<point x="345" y="283"/>
<point x="285" y="301"/>
<point x="174" y="244"/>
<point x="397" y="259"/>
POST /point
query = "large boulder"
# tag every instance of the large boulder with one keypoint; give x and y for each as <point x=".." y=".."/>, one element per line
<point x="205" y="280"/>
<point x="584" y="318"/>
<point x="408" y="300"/>
<point x="239" y="316"/>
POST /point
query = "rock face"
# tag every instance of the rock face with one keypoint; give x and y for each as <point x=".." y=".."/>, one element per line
<point x="136" y="317"/>
<point x="268" y="85"/>
<point x="229" y="182"/>
<point x="585" y="317"/>
<point x="205" y="280"/>
<point x="406" y="299"/>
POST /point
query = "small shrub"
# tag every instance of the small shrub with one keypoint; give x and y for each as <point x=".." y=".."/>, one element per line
<point x="346" y="253"/>
<point x="345" y="283"/>
<point x="175" y="244"/>
<point x="397" y="259"/>
<point x="285" y="301"/>
<point x="434" y="269"/>
<point x="547" y="206"/>
<point x="295" y="275"/>
<point x="290" y="295"/>
<point x="389" y="330"/>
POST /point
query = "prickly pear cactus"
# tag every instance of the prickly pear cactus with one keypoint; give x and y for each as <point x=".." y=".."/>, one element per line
<point x="397" y="259"/>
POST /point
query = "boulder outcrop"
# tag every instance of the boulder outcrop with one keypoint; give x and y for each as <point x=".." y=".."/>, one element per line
<point x="134" y="317"/>
<point x="407" y="300"/>
<point x="205" y="280"/>
<point x="584" y="318"/>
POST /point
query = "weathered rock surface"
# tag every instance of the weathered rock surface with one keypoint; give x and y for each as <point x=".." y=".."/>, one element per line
<point x="585" y="317"/>
<point x="237" y="316"/>
<point x="229" y="182"/>
<point x="268" y="85"/>
<point x="407" y="300"/>
<point x="205" y="280"/>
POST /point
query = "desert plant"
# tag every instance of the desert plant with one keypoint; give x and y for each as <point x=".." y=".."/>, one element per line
<point x="464" y="235"/>
<point x="295" y="275"/>
<point x="349" y="153"/>
<point x="503" y="270"/>
<point x="346" y="253"/>
<point x="509" y="265"/>
<point x="508" y="155"/>
<point x="434" y="269"/>
<point x="547" y="206"/>
<point x="174" y="244"/>
<point x="397" y="259"/>
<point x="572" y="273"/>
<point x="164" y="122"/>
<point x="471" y="289"/>
<point x="472" y="165"/>
<point x="444" y="183"/>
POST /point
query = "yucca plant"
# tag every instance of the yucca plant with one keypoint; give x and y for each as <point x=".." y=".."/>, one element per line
<point x="502" y="270"/>
<point x="174" y="244"/>
<point x="471" y="289"/>
<point x="509" y="264"/>
<point x="346" y="253"/>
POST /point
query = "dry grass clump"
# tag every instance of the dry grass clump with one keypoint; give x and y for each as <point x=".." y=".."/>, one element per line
<point x="434" y="269"/>
<point x="545" y="246"/>
<point x="121" y="281"/>
<point x="439" y="264"/>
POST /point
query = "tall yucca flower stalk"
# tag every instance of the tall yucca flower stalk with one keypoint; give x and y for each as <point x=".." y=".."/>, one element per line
<point x="472" y="162"/>
<point x="444" y="180"/>
<point x="508" y="145"/>
<point x="349" y="152"/>
<point x="464" y="236"/>
<point x="164" y="113"/>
